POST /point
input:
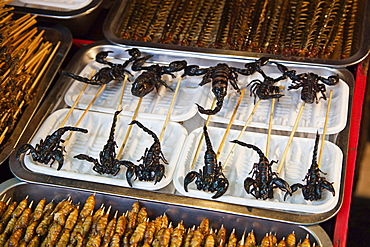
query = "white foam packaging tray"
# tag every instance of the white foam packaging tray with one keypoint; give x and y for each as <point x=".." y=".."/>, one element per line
<point x="297" y="163"/>
<point x="155" y="105"/>
<point x="99" y="125"/>
<point x="64" y="4"/>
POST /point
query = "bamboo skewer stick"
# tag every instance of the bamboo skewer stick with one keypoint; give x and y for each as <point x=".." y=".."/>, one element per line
<point x="230" y="124"/>
<point x="130" y="128"/>
<point x="122" y="92"/>
<point x="76" y="101"/>
<point x="242" y="131"/>
<point x="170" y="109"/>
<point x="270" y="127"/>
<point x="201" y="138"/>
<point x="281" y="163"/>
<point x="325" y="128"/>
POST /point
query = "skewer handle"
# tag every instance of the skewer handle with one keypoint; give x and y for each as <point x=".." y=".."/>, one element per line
<point x="270" y="127"/>
<point x="325" y="128"/>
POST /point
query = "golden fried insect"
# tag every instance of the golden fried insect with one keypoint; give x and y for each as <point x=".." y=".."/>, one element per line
<point x="64" y="238"/>
<point x="61" y="215"/>
<point x="232" y="239"/>
<point x="3" y="205"/>
<point x="48" y="209"/>
<point x="10" y="226"/>
<point x="80" y="240"/>
<point x="42" y="228"/>
<point x="76" y="230"/>
<point x="19" y="209"/>
<point x="3" y="239"/>
<point x="102" y="223"/>
<point x="221" y="236"/>
<point x="197" y="238"/>
<point x="30" y="231"/>
<point x="189" y="236"/>
<point x="149" y="233"/>
<point x="282" y="243"/>
<point x="35" y="241"/>
<point x="126" y="237"/>
<point x="53" y="233"/>
<point x="38" y="211"/>
<point x="61" y="204"/>
<point x="265" y="242"/>
<point x="164" y="239"/>
<point x="291" y="240"/>
<point x="22" y="243"/>
<point x="24" y="218"/>
<point x="204" y="226"/>
<point x="109" y="231"/>
<point x="115" y="241"/>
<point x="306" y="242"/>
<point x="177" y="235"/>
<point x="132" y="216"/>
<point x="139" y="232"/>
<point x="273" y="239"/>
<point x="210" y="239"/>
<point x="7" y="215"/>
<point x="14" y="238"/>
<point x="94" y="241"/>
<point x="88" y="207"/>
<point x="121" y="225"/>
<point x="142" y="215"/>
<point x="86" y="225"/>
<point x="72" y="218"/>
<point x="251" y="239"/>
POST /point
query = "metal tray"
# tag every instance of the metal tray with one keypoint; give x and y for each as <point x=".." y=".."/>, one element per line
<point x="112" y="23"/>
<point x="53" y="34"/>
<point x="55" y="100"/>
<point x="157" y="206"/>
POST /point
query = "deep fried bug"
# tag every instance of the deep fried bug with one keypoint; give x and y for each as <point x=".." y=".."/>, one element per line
<point x="50" y="149"/>
<point x="263" y="181"/>
<point x="211" y="178"/>
<point x="107" y="163"/>
<point x="220" y="75"/>
<point x="151" y="168"/>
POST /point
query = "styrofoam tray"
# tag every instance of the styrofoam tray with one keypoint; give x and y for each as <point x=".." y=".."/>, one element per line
<point x="297" y="163"/>
<point x="99" y="125"/>
<point x="155" y="105"/>
<point x="64" y="4"/>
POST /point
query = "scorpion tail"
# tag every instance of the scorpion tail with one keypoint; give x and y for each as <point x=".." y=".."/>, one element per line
<point x="255" y="148"/>
<point x="101" y="56"/>
<point x="207" y="139"/>
<point x="210" y="111"/>
<point x="114" y="123"/>
<point x="145" y="129"/>
<point x="64" y="129"/>
<point x="314" y="156"/>
<point x="81" y="79"/>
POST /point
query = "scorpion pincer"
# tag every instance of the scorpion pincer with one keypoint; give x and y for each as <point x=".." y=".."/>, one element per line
<point x="107" y="74"/>
<point x="107" y="163"/>
<point x="315" y="184"/>
<point x="309" y="82"/>
<point x="152" y="76"/>
<point x="50" y="148"/>
<point x="151" y="168"/>
<point x="220" y="75"/>
<point x="263" y="180"/>
<point x="211" y="178"/>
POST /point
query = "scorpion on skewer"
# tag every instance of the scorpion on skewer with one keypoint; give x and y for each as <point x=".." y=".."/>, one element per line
<point x="151" y="168"/>
<point x="220" y="75"/>
<point x="107" y="74"/>
<point x="309" y="82"/>
<point x="151" y="77"/>
<point x="49" y="149"/>
<point x="315" y="184"/>
<point x="107" y="163"/>
<point x="211" y="178"/>
<point x="263" y="181"/>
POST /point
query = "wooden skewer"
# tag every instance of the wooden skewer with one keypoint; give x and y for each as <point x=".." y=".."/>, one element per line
<point x="76" y="101"/>
<point x="242" y="131"/>
<point x="230" y="124"/>
<point x="170" y="109"/>
<point x="270" y="127"/>
<point x="201" y="138"/>
<point x="281" y="163"/>
<point x="325" y="128"/>
<point x="130" y="128"/>
<point x="122" y="92"/>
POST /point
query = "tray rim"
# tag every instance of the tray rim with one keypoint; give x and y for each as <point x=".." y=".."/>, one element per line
<point x="55" y="97"/>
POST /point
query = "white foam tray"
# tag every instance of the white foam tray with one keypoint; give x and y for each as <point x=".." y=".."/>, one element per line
<point x="99" y="125"/>
<point x="64" y="4"/>
<point x="156" y="105"/>
<point x="297" y="163"/>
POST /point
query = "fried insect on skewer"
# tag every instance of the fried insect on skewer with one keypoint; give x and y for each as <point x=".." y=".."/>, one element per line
<point x="210" y="239"/>
<point x="102" y="223"/>
<point x="72" y="218"/>
<point x="282" y="243"/>
<point x="30" y="231"/>
<point x="139" y="233"/>
<point x="197" y="238"/>
<point x="165" y="237"/>
<point x="95" y="218"/>
<point x="94" y="241"/>
<point x="177" y="235"/>
<point x="38" y="211"/>
<point x="306" y="242"/>
<point x="204" y="226"/>
<point x="251" y="239"/>
<point x="14" y="238"/>
<point x="7" y="215"/>
<point x="149" y="233"/>
<point x="64" y="238"/>
<point x="291" y="240"/>
<point x="241" y="242"/>
<point x="42" y="228"/>
<point x="121" y="225"/>
<point x="221" y="236"/>
<point x="109" y="230"/>
<point x="3" y="205"/>
<point x="88" y="206"/>
<point x="265" y="242"/>
<point x="24" y="218"/>
<point x="232" y="239"/>
<point x="115" y="241"/>
<point x="61" y="215"/>
<point x="142" y="215"/>
<point x="53" y="234"/>
<point x="189" y="236"/>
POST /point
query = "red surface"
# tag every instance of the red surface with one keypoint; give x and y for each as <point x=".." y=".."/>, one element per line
<point x="341" y="224"/>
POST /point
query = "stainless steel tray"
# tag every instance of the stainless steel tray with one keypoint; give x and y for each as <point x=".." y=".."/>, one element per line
<point x="55" y="100"/>
<point x="156" y="206"/>
<point x="112" y="24"/>
<point x="53" y="34"/>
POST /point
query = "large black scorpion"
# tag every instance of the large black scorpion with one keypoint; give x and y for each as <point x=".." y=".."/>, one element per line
<point x="107" y="74"/>
<point x="309" y="82"/>
<point x="211" y="178"/>
<point x="315" y="184"/>
<point x="50" y="148"/>
<point x="220" y="75"/>
<point x="151" y="168"/>
<point x="263" y="181"/>
<point x="107" y="163"/>
<point x="151" y="77"/>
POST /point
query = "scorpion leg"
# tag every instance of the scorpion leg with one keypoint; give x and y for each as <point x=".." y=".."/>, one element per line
<point x="190" y="178"/>
<point x="139" y="62"/>
<point x="328" y="186"/>
<point x="58" y="156"/>
<point x="281" y="184"/>
<point x="294" y="188"/>
<point x="218" y="107"/>
<point x="131" y="170"/>
<point x="89" y="159"/>
<point x="101" y="56"/>
<point x="221" y="185"/>
<point x="82" y="79"/>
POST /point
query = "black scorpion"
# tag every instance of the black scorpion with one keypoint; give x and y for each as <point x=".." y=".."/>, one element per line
<point x="50" y="148"/>
<point x="107" y="74"/>
<point x="309" y="82"/>
<point x="211" y="178"/>
<point x="220" y="75"/>
<point x="151" y="77"/>
<point x="151" y="168"/>
<point x="107" y="163"/>
<point x="263" y="181"/>
<point x="315" y="184"/>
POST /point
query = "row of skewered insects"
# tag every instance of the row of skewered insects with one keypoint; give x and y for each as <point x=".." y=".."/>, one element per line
<point x="262" y="182"/>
